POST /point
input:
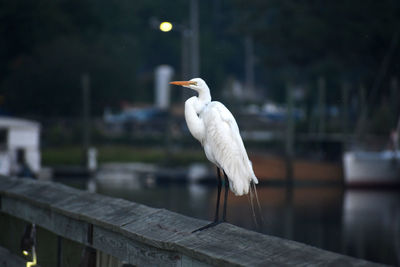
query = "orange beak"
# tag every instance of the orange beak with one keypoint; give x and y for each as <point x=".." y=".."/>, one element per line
<point x="183" y="83"/>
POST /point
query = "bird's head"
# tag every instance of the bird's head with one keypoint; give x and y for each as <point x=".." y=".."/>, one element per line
<point x="197" y="84"/>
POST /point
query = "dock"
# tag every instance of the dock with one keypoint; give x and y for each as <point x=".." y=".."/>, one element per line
<point x="131" y="233"/>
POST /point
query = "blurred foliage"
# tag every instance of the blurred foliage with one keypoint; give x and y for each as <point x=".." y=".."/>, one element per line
<point x="67" y="155"/>
<point x="339" y="40"/>
<point x="73" y="155"/>
<point x="382" y="119"/>
<point x="48" y="44"/>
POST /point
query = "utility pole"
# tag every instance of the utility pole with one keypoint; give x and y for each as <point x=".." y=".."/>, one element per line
<point x="289" y="151"/>
<point x="289" y="137"/>
<point x="363" y="110"/>
<point x="85" y="80"/>
<point x="194" y="28"/>
<point x="395" y="97"/>
<point x="345" y="108"/>
<point x="321" y="105"/>
<point x="249" y="65"/>
<point x="185" y="55"/>
<point x="186" y="60"/>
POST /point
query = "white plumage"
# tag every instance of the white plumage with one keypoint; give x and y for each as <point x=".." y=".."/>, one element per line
<point x="214" y="126"/>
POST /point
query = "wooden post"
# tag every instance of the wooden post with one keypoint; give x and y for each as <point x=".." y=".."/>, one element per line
<point x="310" y="109"/>
<point x="194" y="27"/>
<point x="85" y="79"/>
<point x="249" y="65"/>
<point x="395" y="97"/>
<point x="363" y="110"/>
<point x="59" y="251"/>
<point x="289" y="151"/>
<point x="185" y="62"/>
<point x="345" y="108"/>
<point x="321" y="105"/>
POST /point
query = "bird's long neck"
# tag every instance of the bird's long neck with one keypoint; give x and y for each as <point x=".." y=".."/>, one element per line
<point x="193" y="121"/>
<point x="204" y="98"/>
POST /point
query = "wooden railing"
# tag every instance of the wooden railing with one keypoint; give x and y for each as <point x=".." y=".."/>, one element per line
<point x="145" y="236"/>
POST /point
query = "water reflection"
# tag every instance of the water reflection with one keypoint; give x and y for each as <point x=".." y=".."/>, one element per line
<point x="363" y="224"/>
<point x="371" y="225"/>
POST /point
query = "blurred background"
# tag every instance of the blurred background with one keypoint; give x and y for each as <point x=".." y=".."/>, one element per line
<point x="85" y="100"/>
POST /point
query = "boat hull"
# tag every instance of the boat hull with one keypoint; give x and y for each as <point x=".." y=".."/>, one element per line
<point x="371" y="168"/>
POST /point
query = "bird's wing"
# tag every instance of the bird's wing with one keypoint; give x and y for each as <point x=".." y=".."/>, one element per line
<point x="223" y="140"/>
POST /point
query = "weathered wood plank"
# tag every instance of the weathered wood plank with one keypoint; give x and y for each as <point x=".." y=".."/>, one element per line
<point x="161" y="229"/>
<point x="106" y="260"/>
<point x="227" y="244"/>
<point x="110" y="243"/>
<point x="7" y="183"/>
<point x="75" y="203"/>
<point x="42" y="192"/>
<point x="142" y="255"/>
<point x="190" y="262"/>
<point x="131" y="251"/>
<point x="62" y="225"/>
<point x="106" y="211"/>
<point x="26" y="211"/>
<point x="146" y="236"/>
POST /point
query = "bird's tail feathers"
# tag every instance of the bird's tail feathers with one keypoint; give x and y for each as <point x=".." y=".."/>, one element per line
<point x="240" y="178"/>
<point x="251" y="197"/>
<point x="253" y="193"/>
<point x="253" y="178"/>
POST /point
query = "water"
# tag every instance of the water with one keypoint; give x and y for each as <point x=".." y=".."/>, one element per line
<point x="359" y="223"/>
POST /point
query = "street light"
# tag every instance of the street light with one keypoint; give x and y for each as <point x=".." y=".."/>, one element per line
<point x="190" y="41"/>
<point x="165" y="26"/>
<point x="186" y="33"/>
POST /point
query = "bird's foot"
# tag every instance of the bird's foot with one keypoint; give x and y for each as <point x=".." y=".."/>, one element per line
<point x="208" y="226"/>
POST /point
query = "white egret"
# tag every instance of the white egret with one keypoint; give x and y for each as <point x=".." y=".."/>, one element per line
<point x="214" y="126"/>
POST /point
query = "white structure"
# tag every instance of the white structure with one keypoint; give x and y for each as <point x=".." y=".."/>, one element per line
<point x="19" y="140"/>
<point x="371" y="168"/>
<point x="163" y="75"/>
<point x="92" y="159"/>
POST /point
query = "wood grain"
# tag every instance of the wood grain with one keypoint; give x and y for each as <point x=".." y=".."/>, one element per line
<point x="145" y="236"/>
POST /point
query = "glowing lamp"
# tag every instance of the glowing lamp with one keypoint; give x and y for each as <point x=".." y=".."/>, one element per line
<point x="165" y="26"/>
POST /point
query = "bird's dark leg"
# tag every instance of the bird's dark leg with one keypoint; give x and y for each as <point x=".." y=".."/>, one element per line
<point x="219" y="195"/>
<point x="225" y="197"/>
<point x="216" y="221"/>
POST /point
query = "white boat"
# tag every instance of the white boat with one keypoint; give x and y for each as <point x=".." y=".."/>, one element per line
<point x="362" y="168"/>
